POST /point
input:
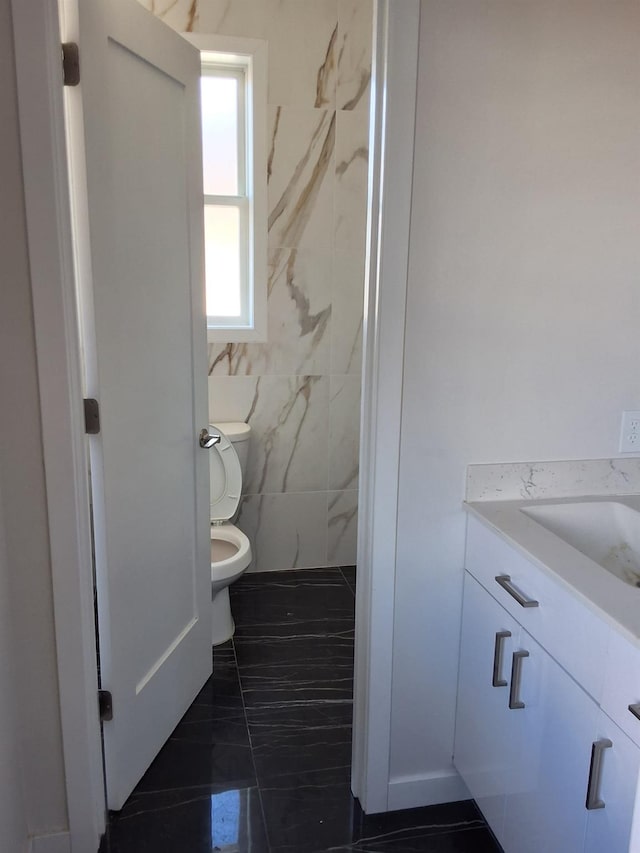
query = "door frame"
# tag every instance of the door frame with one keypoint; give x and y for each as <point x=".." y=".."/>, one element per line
<point x="48" y="219"/>
<point x="51" y="250"/>
<point x="391" y="145"/>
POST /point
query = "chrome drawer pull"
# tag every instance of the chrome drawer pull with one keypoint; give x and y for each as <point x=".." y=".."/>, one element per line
<point x="515" y="703"/>
<point x="635" y="710"/>
<point x="505" y="583"/>
<point x="595" y="774"/>
<point x="497" y="680"/>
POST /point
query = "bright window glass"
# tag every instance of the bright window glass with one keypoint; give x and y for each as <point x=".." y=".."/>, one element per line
<point x="220" y="133"/>
<point x="227" y="195"/>
<point x="233" y="96"/>
<point x="223" y="264"/>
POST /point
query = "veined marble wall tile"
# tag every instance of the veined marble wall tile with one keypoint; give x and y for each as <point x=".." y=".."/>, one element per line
<point x="301" y="167"/>
<point x="344" y="432"/>
<point x="289" y="417"/>
<point x="181" y="15"/>
<point x="303" y="43"/>
<point x="352" y="163"/>
<point x="355" y="39"/>
<point x="343" y="528"/>
<point x="300" y="391"/>
<point x="243" y="18"/>
<point x="231" y="397"/>
<point x="346" y="319"/>
<point x="287" y="531"/>
<point x="299" y="320"/>
<point x="303" y="36"/>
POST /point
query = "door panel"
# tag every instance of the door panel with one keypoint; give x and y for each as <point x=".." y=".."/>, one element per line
<point x="545" y="808"/>
<point x="140" y="84"/>
<point x="610" y="828"/>
<point x="484" y="724"/>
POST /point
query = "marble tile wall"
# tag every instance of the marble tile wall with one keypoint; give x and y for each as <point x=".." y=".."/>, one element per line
<point x="300" y="391"/>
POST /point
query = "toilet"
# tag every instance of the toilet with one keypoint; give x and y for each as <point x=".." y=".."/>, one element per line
<point x="230" y="548"/>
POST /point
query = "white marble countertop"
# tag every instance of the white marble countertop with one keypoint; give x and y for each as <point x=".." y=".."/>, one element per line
<point x="615" y="601"/>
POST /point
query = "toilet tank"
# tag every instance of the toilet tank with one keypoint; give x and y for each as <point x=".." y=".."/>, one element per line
<point x="238" y="434"/>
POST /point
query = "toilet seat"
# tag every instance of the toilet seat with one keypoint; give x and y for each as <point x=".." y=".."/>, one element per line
<point x="225" y="479"/>
<point x="223" y="569"/>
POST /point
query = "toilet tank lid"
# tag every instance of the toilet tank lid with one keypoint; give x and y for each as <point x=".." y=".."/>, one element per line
<point x="235" y="431"/>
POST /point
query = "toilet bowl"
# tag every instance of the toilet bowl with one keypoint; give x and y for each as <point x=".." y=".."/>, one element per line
<point x="230" y="547"/>
<point x="230" y="556"/>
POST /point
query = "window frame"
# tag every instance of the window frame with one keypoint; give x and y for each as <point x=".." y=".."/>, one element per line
<point x="251" y="56"/>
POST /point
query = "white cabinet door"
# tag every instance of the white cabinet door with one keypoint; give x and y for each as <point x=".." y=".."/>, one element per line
<point x="610" y="828"/>
<point x="545" y="808"/>
<point x="484" y="724"/>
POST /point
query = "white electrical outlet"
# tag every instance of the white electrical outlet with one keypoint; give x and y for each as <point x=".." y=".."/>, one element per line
<point x="630" y="433"/>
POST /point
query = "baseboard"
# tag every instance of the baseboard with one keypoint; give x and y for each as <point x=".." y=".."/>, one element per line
<point x="58" y="842"/>
<point x="411" y="792"/>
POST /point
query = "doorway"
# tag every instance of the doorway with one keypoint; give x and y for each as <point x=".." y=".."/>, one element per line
<point x="303" y="488"/>
<point x="39" y="60"/>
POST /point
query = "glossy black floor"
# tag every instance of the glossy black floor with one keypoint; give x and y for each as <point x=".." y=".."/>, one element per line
<point x="260" y="762"/>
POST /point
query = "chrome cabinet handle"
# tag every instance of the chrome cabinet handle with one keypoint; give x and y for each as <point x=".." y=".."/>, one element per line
<point x="515" y="703"/>
<point x="208" y="439"/>
<point x="635" y="710"/>
<point x="523" y="601"/>
<point x="497" y="680"/>
<point x="595" y="774"/>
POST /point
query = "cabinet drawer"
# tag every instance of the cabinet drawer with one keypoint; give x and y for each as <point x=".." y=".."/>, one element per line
<point x="565" y="627"/>
<point x="622" y="685"/>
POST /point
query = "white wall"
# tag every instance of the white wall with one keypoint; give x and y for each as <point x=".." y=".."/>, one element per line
<point x="523" y="318"/>
<point x="23" y="486"/>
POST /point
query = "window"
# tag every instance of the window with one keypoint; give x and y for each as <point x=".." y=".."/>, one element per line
<point x="233" y="102"/>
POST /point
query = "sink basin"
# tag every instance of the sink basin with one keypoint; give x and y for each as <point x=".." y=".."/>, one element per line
<point x="607" y="532"/>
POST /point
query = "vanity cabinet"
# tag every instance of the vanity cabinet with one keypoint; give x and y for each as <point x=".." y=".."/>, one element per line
<point x="552" y="741"/>
<point x="613" y="828"/>
<point x="484" y="725"/>
<point x="523" y="738"/>
<point x="533" y="746"/>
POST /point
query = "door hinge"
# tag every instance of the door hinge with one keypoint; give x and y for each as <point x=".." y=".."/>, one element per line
<point x="91" y="416"/>
<point x="105" y="705"/>
<point x="70" y="63"/>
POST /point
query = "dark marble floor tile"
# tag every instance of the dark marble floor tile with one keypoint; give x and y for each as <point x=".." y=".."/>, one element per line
<point x="287" y="626"/>
<point x="273" y="671"/>
<point x="223" y="656"/>
<point x="349" y="573"/>
<point x="315" y="812"/>
<point x="319" y="576"/>
<point x="220" y="697"/>
<point x="188" y="822"/>
<point x="408" y="830"/>
<point x="278" y="707"/>
<point x="286" y="608"/>
<point x="299" y="737"/>
<point x="209" y="753"/>
<point x="309" y="812"/>
<point x="477" y="840"/>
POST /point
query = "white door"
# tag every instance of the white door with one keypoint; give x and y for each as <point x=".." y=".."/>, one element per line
<point x="146" y="357"/>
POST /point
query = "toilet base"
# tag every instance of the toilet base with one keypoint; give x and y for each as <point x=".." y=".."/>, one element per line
<point x="222" y="624"/>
